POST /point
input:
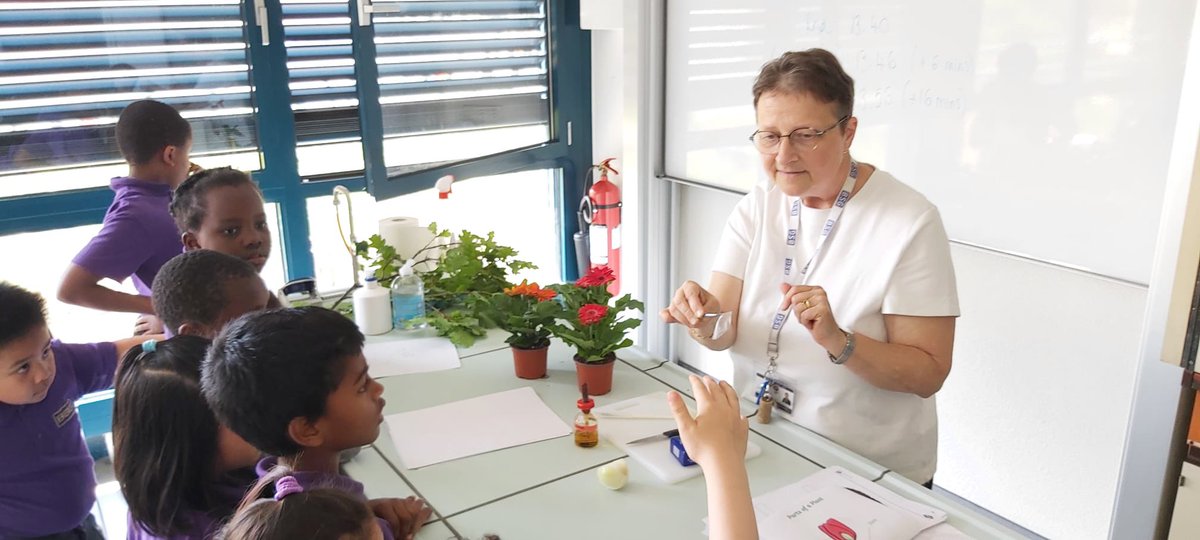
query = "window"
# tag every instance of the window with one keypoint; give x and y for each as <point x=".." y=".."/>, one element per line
<point x="68" y="68"/>
<point x="457" y="80"/>
<point x="476" y="88"/>
<point x="321" y="79"/>
<point x="518" y="207"/>
<point x="450" y="68"/>
<point x="36" y="261"/>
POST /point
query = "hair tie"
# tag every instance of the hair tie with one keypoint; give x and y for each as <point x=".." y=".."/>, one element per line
<point x="149" y="346"/>
<point x="286" y="486"/>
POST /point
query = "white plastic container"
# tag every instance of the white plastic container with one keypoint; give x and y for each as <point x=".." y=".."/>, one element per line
<point x="408" y="298"/>
<point x="372" y="308"/>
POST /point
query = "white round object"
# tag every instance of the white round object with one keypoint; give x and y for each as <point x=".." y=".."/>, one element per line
<point x="614" y="475"/>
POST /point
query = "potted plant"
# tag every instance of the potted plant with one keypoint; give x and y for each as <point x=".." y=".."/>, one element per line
<point x="468" y="267"/>
<point x="594" y="327"/>
<point x="526" y="312"/>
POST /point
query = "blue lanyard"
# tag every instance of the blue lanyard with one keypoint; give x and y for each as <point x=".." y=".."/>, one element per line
<point x="791" y="238"/>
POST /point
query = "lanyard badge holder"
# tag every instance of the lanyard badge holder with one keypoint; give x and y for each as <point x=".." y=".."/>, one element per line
<point x="772" y="392"/>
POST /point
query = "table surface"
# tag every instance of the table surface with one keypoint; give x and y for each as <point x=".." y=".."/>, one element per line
<point x="549" y="489"/>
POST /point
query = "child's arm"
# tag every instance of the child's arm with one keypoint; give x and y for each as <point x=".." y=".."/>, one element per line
<point x="82" y="288"/>
<point x="716" y="439"/>
<point x="123" y="345"/>
<point x="405" y="516"/>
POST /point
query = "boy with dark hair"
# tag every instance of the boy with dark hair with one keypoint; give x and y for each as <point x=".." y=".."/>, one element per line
<point x="138" y="234"/>
<point x="294" y="384"/>
<point x="198" y="292"/>
<point x="47" y="486"/>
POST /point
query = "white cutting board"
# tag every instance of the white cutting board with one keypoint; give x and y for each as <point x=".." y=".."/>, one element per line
<point x="650" y="415"/>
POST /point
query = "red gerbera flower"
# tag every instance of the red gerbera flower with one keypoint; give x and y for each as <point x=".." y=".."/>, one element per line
<point x="600" y="275"/>
<point x="591" y="314"/>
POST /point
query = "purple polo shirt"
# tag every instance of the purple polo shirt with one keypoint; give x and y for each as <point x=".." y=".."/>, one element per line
<point x="204" y="525"/>
<point x="312" y="479"/>
<point x="47" y="484"/>
<point x="138" y="235"/>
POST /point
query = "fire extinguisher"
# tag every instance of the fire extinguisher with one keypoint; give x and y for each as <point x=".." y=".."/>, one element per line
<point x="600" y="210"/>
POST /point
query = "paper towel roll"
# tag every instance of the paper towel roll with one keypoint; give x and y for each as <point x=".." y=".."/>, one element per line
<point x="406" y="235"/>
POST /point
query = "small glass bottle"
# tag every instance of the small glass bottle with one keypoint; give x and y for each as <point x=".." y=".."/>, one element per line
<point x="408" y="298"/>
<point x="587" y="430"/>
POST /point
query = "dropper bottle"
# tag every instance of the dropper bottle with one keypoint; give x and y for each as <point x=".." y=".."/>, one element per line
<point x="587" y="430"/>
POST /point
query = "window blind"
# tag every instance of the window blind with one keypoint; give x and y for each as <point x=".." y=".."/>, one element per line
<point x="443" y="66"/>
<point x="68" y="68"/>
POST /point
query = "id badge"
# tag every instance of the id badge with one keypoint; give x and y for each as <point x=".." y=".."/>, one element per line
<point x="781" y="392"/>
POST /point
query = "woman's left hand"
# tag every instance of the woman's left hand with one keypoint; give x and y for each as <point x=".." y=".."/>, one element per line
<point x="811" y="307"/>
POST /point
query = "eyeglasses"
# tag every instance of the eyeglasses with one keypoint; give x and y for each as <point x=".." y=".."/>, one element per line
<point x="803" y="139"/>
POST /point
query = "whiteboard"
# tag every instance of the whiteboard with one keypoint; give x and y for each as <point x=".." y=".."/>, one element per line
<point x="1040" y="128"/>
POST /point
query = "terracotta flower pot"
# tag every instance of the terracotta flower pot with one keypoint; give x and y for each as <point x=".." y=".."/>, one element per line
<point x="530" y="363"/>
<point x="597" y="375"/>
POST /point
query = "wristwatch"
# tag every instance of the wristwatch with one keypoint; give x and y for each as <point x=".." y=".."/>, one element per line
<point x="847" y="351"/>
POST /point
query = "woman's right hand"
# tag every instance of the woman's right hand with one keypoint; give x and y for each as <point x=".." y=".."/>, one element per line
<point x="689" y="305"/>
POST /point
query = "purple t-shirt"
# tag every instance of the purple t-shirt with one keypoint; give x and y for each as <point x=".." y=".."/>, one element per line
<point x="47" y="482"/>
<point x="312" y="480"/>
<point x="138" y="235"/>
<point x="204" y="525"/>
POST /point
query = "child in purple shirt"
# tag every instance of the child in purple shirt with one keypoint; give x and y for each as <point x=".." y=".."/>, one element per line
<point x="138" y="234"/>
<point x="294" y="383"/>
<point x="198" y="292"/>
<point x="179" y="484"/>
<point x="47" y="485"/>
<point x="222" y="209"/>
<point x="300" y="511"/>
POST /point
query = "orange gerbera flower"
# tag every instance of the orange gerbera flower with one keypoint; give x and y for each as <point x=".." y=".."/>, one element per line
<point x="531" y="290"/>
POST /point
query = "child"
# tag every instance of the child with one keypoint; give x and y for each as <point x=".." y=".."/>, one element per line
<point x="138" y="234"/>
<point x="198" y="292"/>
<point x="222" y="209"/>
<point x="47" y="485"/>
<point x="296" y="512"/>
<point x="716" y="439"/>
<point x="294" y="383"/>
<point x="179" y="484"/>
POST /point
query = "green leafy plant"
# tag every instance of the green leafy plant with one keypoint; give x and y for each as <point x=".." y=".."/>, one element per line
<point x="460" y="326"/>
<point x="469" y="269"/>
<point x="595" y="329"/>
<point x="526" y="312"/>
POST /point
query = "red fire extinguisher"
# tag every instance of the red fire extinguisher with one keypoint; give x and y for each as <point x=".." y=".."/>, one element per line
<point x="604" y="230"/>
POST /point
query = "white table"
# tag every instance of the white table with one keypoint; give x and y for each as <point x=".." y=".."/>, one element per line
<point x="549" y="489"/>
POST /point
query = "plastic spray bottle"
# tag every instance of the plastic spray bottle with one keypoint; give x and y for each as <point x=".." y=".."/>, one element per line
<point x="408" y="298"/>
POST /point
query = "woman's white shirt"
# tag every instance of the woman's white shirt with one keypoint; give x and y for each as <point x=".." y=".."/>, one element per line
<point x="889" y="254"/>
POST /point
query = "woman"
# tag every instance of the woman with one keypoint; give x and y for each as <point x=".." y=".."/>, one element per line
<point x="874" y="309"/>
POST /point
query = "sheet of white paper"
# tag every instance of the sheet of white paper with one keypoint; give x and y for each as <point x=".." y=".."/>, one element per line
<point x="473" y="426"/>
<point x="837" y="513"/>
<point x="416" y="355"/>
<point x="782" y="501"/>
<point x="942" y="531"/>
